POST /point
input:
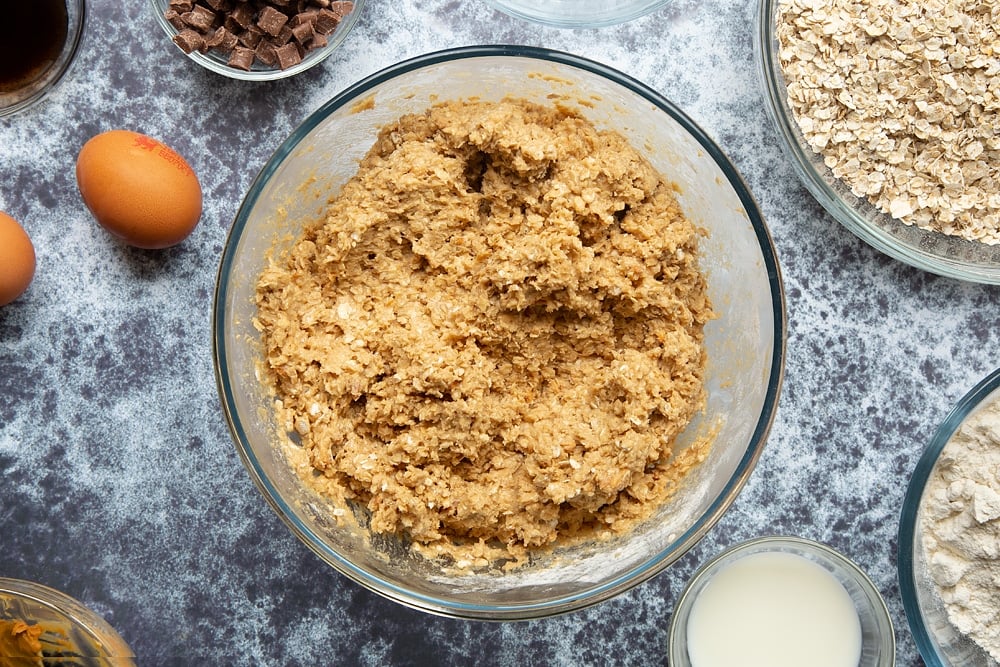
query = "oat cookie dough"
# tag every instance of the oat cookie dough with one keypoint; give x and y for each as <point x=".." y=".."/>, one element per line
<point x="495" y="336"/>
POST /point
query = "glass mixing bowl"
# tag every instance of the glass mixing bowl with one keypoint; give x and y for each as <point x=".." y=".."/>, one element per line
<point x="938" y="641"/>
<point x="216" y="62"/>
<point x="72" y="634"/>
<point x="945" y="255"/>
<point x="578" y="13"/>
<point x="745" y="343"/>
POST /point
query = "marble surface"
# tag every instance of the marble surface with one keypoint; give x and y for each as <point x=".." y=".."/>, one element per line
<point x="119" y="483"/>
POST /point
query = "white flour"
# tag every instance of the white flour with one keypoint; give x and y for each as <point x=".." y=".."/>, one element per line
<point x="961" y="522"/>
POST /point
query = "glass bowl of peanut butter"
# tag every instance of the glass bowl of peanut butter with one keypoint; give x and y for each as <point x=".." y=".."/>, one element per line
<point x="42" y="626"/>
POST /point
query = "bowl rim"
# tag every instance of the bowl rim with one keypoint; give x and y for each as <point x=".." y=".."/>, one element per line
<point x="771" y="544"/>
<point x="311" y="59"/>
<point x="627" y="579"/>
<point x="839" y="205"/>
<point x="907" y="533"/>
<point x="595" y="19"/>
<point x="63" y="64"/>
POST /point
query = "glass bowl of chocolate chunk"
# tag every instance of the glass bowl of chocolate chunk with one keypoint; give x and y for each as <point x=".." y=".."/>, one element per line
<point x="257" y="40"/>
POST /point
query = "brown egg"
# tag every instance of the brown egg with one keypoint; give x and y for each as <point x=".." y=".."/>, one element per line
<point x="17" y="259"/>
<point x="139" y="189"/>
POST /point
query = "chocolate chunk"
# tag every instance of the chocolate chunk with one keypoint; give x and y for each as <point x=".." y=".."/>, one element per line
<point x="222" y="39"/>
<point x="271" y="20"/>
<point x="319" y="41"/>
<point x="288" y="55"/>
<point x="220" y="5"/>
<point x="266" y="53"/>
<point x="305" y="16"/>
<point x="251" y="37"/>
<point x="242" y="58"/>
<point x="341" y="7"/>
<point x="283" y="37"/>
<point x="174" y="19"/>
<point x="181" y="6"/>
<point x="200" y="18"/>
<point x="189" y="40"/>
<point x="242" y="15"/>
<point x="327" y="20"/>
<point x="303" y="33"/>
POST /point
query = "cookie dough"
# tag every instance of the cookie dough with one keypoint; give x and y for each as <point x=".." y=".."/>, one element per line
<point x="495" y="335"/>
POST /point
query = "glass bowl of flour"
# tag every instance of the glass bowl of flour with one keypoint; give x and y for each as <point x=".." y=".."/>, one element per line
<point x="949" y="536"/>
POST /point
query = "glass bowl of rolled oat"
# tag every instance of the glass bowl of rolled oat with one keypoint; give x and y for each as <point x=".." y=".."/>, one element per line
<point x="888" y="112"/>
<point x="949" y="533"/>
<point x="257" y="40"/>
<point x="499" y="332"/>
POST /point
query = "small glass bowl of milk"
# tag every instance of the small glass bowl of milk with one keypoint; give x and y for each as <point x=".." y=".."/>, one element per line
<point x="781" y="602"/>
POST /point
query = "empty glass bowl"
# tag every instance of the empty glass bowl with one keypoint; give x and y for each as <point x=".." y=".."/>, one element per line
<point x="745" y="343"/>
<point x="578" y="13"/>
<point x="938" y="641"/>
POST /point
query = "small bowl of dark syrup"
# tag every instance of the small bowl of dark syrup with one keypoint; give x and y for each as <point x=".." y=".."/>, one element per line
<point x="38" y="40"/>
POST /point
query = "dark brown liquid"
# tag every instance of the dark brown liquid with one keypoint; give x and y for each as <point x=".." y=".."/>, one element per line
<point x="32" y="34"/>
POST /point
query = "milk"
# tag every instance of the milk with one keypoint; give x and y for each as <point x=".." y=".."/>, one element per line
<point x="773" y="609"/>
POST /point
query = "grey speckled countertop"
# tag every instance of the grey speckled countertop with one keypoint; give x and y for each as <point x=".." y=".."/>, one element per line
<point x="120" y="484"/>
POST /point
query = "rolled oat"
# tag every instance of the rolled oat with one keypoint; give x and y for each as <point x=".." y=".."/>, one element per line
<point x="902" y="100"/>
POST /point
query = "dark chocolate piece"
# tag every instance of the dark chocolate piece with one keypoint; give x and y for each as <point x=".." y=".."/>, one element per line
<point x="200" y="18"/>
<point x="266" y="53"/>
<point x="326" y="21"/>
<point x="242" y="15"/>
<point x="242" y="58"/>
<point x="303" y="33"/>
<point x="283" y="37"/>
<point x="341" y="7"/>
<point x="271" y="20"/>
<point x="251" y="37"/>
<point x="288" y="55"/>
<point x="319" y="41"/>
<point x="174" y="19"/>
<point x="222" y="39"/>
<point x="189" y="40"/>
